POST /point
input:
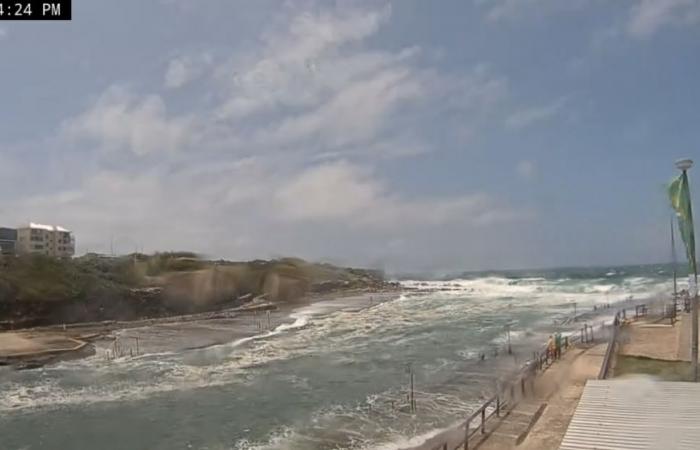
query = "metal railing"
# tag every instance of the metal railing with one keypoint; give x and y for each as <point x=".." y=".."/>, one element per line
<point x="508" y="398"/>
<point x="610" y="351"/>
<point x="640" y="311"/>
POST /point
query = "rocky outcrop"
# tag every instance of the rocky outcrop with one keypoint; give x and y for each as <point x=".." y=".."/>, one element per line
<point x="37" y="291"/>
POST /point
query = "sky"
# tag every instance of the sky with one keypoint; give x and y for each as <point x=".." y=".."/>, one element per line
<point x="407" y="135"/>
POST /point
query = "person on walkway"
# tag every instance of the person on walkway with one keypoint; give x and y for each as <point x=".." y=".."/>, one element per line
<point x="550" y="350"/>
<point x="557" y="345"/>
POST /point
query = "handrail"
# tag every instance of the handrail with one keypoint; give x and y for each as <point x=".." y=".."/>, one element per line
<point x="482" y="408"/>
<point x="616" y="325"/>
<point x="529" y="370"/>
<point x="609" y="352"/>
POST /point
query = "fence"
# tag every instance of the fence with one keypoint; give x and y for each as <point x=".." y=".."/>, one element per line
<point x="612" y="343"/>
<point x="507" y="399"/>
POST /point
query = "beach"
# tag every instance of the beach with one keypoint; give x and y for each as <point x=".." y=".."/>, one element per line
<point x="330" y="374"/>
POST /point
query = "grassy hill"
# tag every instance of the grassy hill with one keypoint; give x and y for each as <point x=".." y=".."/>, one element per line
<point x="40" y="290"/>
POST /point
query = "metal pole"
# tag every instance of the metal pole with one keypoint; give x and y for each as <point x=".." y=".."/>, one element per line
<point x="413" y="398"/>
<point x="673" y="258"/>
<point x="694" y="316"/>
<point x="695" y="326"/>
<point x="510" y="352"/>
<point x="466" y="435"/>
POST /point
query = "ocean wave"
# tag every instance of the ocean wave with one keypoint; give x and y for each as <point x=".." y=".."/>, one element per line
<point x="440" y="328"/>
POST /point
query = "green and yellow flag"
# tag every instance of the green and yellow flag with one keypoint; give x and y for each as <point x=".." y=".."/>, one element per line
<point x="679" y="193"/>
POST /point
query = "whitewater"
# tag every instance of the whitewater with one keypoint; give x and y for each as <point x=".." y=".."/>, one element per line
<point x="329" y="375"/>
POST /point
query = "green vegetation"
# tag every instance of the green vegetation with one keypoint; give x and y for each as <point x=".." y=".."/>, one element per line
<point x="38" y="278"/>
<point x="38" y="290"/>
<point x="663" y="370"/>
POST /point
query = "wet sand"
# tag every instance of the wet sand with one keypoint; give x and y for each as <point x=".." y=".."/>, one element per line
<point x="16" y="345"/>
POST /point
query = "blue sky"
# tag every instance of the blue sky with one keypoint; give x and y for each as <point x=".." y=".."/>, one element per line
<point x="408" y="135"/>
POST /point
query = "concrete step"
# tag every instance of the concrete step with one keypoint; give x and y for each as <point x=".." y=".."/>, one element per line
<point x="514" y="427"/>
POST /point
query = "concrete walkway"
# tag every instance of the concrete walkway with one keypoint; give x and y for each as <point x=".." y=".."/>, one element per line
<point x="658" y="341"/>
<point x="566" y="386"/>
<point x="545" y="412"/>
<point x="556" y="394"/>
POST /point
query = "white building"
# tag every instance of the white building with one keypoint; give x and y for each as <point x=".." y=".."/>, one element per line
<point x="46" y="240"/>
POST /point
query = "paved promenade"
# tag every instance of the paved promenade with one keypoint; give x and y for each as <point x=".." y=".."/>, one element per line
<point x="545" y="412"/>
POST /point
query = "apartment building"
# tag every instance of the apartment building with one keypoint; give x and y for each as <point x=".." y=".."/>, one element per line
<point x="8" y="241"/>
<point x="45" y="239"/>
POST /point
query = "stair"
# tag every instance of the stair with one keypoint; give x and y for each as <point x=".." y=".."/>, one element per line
<point x="513" y="428"/>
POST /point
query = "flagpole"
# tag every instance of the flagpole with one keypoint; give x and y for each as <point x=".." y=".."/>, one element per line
<point x="675" y="271"/>
<point x="684" y="165"/>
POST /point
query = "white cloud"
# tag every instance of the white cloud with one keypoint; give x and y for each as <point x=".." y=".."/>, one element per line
<point x="509" y="9"/>
<point x="349" y="193"/>
<point x="333" y="191"/>
<point x="300" y="60"/>
<point x="250" y="208"/>
<point x="503" y="10"/>
<point x="120" y="120"/>
<point x="530" y="116"/>
<point x="526" y="170"/>
<point x="649" y="16"/>
<point x="354" y="114"/>
<point x="646" y="17"/>
<point x="183" y="69"/>
<point x="309" y="88"/>
<point x="275" y="149"/>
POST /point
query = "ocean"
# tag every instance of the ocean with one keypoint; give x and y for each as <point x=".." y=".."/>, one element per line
<point x="330" y="375"/>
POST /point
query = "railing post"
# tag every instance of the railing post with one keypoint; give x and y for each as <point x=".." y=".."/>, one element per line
<point x="466" y="435"/>
<point x="483" y="421"/>
<point x="498" y="406"/>
<point x="522" y="387"/>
